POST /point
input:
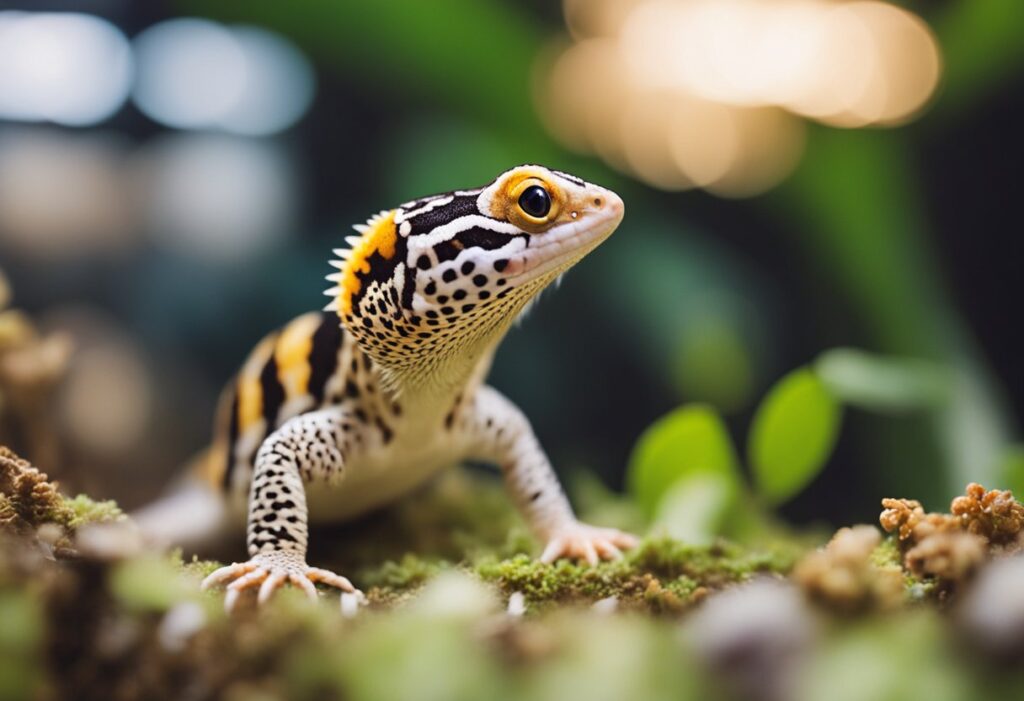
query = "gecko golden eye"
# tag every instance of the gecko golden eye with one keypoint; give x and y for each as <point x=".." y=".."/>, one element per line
<point x="535" y="201"/>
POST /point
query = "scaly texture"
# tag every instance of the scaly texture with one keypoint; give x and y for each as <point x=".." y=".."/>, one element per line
<point x="343" y="411"/>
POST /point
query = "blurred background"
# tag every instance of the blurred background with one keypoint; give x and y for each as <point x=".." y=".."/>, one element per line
<point x="800" y="175"/>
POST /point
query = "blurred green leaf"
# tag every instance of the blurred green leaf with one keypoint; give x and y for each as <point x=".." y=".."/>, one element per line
<point x="473" y="55"/>
<point x="883" y="660"/>
<point x="689" y="441"/>
<point x="694" y="509"/>
<point x="982" y="47"/>
<point x="1011" y="471"/>
<point x="150" y="583"/>
<point x="793" y="434"/>
<point x="882" y="383"/>
<point x="22" y="627"/>
<point x="712" y="364"/>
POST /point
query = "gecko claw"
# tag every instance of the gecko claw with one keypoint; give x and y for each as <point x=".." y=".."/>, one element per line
<point x="588" y="543"/>
<point x="270" y="571"/>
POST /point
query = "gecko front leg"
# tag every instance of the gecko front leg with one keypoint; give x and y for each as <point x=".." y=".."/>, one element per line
<point x="498" y="432"/>
<point x="310" y="446"/>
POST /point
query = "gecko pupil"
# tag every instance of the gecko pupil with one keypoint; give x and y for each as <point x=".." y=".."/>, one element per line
<point x="535" y="201"/>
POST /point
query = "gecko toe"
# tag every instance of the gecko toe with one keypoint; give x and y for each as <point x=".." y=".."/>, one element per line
<point x="331" y="579"/>
<point x="223" y="574"/>
<point x="607" y="550"/>
<point x="269" y="586"/>
<point x="303" y="583"/>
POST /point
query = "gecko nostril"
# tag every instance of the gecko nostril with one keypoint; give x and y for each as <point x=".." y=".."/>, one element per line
<point x="598" y="202"/>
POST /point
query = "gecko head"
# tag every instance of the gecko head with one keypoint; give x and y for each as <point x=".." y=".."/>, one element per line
<point x="452" y="270"/>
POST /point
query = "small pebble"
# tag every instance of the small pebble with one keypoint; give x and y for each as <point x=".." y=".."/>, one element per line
<point x="516" y="604"/>
<point x="992" y="611"/>
<point x="109" y="541"/>
<point x="179" y="625"/>
<point x="350" y="604"/>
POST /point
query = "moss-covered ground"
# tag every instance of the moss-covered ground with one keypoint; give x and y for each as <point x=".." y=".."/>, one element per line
<point x="440" y="570"/>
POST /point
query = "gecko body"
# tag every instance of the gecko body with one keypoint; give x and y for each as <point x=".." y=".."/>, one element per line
<point x="344" y="410"/>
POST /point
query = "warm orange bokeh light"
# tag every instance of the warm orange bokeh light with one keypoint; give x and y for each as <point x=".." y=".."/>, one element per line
<point x="706" y="93"/>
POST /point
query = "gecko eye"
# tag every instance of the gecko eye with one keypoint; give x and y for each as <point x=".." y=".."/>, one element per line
<point x="535" y="201"/>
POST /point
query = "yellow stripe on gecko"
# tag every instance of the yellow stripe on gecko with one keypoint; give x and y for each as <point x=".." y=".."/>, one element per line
<point x="380" y="237"/>
<point x="292" y="354"/>
<point x="250" y="393"/>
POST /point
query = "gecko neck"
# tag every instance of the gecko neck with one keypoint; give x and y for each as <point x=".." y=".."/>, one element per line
<point x="439" y="378"/>
<point x="434" y="380"/>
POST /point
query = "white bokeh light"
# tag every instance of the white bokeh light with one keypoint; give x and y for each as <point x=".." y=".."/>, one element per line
<point x="68" y="68"/>
<point x="216" y="197"/>
<point x="190" y="72"/>
<point x="278" y="88"/>
<point x="196" y="74"/>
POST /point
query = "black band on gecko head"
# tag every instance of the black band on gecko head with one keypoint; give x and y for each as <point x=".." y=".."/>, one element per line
<point x="535" y="201"/>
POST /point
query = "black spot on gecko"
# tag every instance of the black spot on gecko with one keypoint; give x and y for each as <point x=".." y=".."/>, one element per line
<point x="323" y="355"/>
<point x="386" y="433"/>
<point x="273" y="392"/>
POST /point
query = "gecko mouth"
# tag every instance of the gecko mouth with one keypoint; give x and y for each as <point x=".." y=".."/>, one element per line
<point x="562" y="246"/>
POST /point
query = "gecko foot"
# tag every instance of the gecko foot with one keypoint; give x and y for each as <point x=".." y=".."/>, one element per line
<point x="271" y="570"/>
<point x="590" y="543"/>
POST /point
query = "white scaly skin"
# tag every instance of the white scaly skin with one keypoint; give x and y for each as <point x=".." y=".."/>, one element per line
<point x="329" y="425"/>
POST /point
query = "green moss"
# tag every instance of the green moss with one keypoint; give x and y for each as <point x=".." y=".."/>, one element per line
<point x="409" y="572"/>
<point x="567" y="582"/>
<point x="195" y="567"/>
<point x="720" y="563"/>
<point x="661" y="574"/>
<point x="887" y="555"/>
<point x="76" y="512"/>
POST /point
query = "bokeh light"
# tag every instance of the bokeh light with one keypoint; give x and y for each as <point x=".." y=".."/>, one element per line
<point x="63" y="195"/>
<point x="216" y="197"/>
<point x="106" y="403"/>
<point x="68" y="68"/>
<point x="197" y="74"/>
<point x="707" y="93"/>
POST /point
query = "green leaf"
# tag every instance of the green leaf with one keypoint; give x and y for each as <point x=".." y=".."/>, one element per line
<point x="882" y="383"/>
<point x="689" y="441"/>
<point x="792" y="435"/>
<point x="695" y="508"/>
<point x="1011" y="471"/>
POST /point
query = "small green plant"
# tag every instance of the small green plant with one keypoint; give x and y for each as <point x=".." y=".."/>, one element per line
<point x="684" y="471"/>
